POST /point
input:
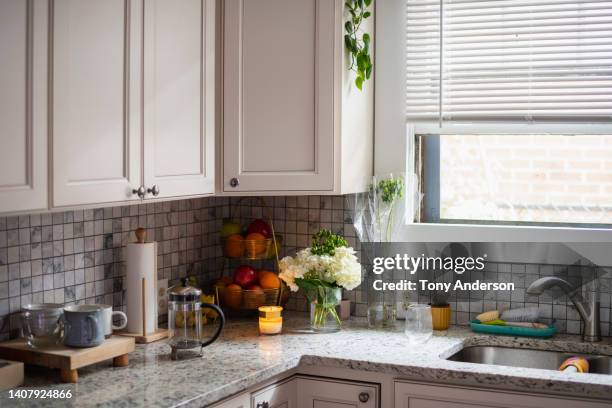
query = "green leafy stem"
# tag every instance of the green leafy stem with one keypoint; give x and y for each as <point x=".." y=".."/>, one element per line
<point x="325" y="242"/>
<point x="356" y="43"/>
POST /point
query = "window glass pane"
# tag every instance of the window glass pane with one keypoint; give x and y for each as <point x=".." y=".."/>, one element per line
<point x="526" y="178"/>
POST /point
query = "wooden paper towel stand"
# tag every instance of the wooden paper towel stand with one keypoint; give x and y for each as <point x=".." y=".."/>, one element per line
<point x="144" y="337"/>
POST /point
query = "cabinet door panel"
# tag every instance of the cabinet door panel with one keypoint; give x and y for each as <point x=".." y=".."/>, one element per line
<point x="281" y="395"/>
<point x="179" y="96"/>
<point x="335" y="394"/>
<point x="96" y="126"/>
<point x="433" y="403"/>
<point x="279" y="95"/>
<point x="415" y="395"/>
<point x="23" y="105"/>
<point x="240" y="401"/>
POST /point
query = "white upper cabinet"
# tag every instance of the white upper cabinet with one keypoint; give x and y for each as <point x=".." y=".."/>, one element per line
<point x="133" y="99"/>
<point x="179" y="96"/>
<point x="95" y="85"/>
<point x="23" y="105"/>
<point x="279" y="95"/>
<point x="284" y="87"/>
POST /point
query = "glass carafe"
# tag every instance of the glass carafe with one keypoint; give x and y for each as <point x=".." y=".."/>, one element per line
<point x="185" y="322"/>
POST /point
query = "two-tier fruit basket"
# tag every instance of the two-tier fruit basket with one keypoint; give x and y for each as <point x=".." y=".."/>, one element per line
<point x="251" y="254"/>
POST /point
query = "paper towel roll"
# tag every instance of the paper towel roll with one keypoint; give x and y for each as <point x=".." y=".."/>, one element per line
<point x="141" y="263"/>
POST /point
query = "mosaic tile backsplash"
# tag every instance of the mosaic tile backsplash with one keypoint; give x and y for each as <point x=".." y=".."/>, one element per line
<point x="74" y="257"/>
<point x="555" y="307"/>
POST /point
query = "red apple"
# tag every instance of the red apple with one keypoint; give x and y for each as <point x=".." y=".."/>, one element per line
<point x="261" y="227"/>
<point x="245" y="276"/>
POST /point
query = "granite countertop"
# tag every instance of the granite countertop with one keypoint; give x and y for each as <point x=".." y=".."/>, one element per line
<point x="241" y="359"/>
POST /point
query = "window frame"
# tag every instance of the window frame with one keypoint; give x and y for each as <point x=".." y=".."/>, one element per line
<point x="394" y="145"/>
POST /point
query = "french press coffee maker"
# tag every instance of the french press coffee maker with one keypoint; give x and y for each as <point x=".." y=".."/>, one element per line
<point x="185" y="319"/>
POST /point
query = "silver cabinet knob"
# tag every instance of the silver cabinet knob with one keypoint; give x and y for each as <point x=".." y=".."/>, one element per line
<point x="140" y="191"/>
<point x="234" y="182"/>
<point x="264" y="404"/>
<point x="364" y="397"/>
<point x="153" y="190"/>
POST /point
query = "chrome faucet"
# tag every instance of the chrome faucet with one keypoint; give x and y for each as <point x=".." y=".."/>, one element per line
<point x="588" y="311"/>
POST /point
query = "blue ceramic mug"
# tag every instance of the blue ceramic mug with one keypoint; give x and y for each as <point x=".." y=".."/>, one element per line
<point x="83" y="325"/>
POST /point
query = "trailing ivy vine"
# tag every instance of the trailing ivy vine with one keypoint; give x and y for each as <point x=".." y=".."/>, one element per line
<point x="356" y="43"/>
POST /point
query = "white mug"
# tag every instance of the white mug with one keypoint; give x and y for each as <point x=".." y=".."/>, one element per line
<point x="107" y="318"/>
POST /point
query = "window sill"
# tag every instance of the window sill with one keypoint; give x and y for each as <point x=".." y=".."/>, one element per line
<point x="428" y="232"/>
<point x="539" y="245"/>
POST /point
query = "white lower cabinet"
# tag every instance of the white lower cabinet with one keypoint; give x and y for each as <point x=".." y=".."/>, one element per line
<point x="279" y="395"/>
<point x="329" y="393"/>
<point x="301" y="391"/>
<point x="241" y="401"/>
<point x="414" y="395"/>
<point x="307" y="392"/>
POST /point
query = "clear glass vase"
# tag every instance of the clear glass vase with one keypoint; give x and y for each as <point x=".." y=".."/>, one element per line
<point x="324" y="317"/>
<point x="383" y="306"/>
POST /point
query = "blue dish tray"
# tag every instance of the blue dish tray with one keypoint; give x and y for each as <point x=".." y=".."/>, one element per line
<point x="511" y="330"/>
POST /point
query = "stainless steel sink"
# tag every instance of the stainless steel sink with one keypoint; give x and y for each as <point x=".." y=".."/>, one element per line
<point x="514" y="357"/>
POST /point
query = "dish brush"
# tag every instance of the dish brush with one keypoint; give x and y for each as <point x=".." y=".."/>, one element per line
<point x="488" y="316"/>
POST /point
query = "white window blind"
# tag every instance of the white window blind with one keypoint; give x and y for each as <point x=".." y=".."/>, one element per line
<point x="509" y="60"/>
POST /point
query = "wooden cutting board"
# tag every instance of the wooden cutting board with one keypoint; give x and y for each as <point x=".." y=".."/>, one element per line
<point x="11" y="374"/>
<point x="69" y="359"/>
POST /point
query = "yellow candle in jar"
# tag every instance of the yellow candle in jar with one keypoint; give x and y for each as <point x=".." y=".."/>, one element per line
<point x="270" y="319"/>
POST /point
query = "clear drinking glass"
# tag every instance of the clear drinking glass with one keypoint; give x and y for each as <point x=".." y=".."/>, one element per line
<point x="41" y="324"/>
<point x="419" y="328"/>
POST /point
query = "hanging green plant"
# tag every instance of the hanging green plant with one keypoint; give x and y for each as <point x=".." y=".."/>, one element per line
<point x="356" y="43"/>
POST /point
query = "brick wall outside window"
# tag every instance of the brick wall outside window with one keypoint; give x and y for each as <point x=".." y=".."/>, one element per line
<point x="532" y="178"/>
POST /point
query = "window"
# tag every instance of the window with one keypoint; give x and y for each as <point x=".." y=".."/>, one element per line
<point x="518" y="179"/>
<point x="511" y="105"/>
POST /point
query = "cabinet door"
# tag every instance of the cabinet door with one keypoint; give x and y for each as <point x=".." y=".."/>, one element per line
<point x="278" y="126"/>
<point x="23" y="105"/>
<point x="413" y="395"/>
<point x="96" y="100"/>
<point x="240" y="401"/>
<point x="282" y="395"/>
<point x="179" y="96"/>
<point x="313" y="393"/>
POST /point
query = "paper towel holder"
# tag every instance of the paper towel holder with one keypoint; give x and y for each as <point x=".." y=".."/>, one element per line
<point x="143" y="338"/>
<point x="141" y="235"/>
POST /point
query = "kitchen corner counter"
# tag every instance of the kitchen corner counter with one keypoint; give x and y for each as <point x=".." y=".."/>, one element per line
<point x="242" y="359"/>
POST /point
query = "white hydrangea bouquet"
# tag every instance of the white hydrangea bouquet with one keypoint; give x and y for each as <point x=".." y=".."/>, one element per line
<point x="321" y="271"/>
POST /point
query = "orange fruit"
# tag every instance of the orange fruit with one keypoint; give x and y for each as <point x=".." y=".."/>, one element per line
<point x="234" y="246"/>
<point x="223" y="281"/>
<point x="232" y="296"/>
<point x="268" y="280"/>
<point x="232" y="287"/>
<point x="255" y="244"/>
<point x="255" y="236"/>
